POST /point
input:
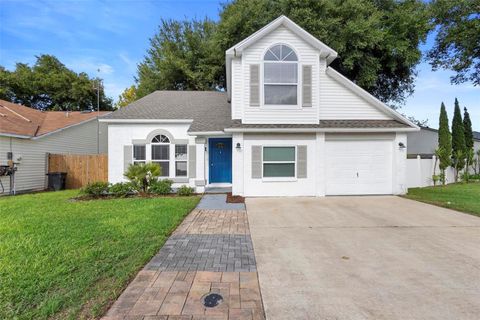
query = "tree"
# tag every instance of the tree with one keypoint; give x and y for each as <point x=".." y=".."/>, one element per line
<point x="50" y="85"/>
<point x="458" y="140"/>
<point x="456" y="42"/>
<point x="377" y="41"/>
<point x="444" y="142"/>
<point x="469" y="154"/>
<point x="181" y="57"/>
<point x="128" y="96"/>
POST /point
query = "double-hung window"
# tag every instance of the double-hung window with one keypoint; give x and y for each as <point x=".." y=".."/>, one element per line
<point x="280" y="76"/>
<point x="161" y="153"/>
<point x="139" y="155"/>
<point x="279" y="162"/>
<point x="181" y="160"/>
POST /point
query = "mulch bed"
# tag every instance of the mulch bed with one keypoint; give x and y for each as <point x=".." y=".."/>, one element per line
<point x="234" y="199"/>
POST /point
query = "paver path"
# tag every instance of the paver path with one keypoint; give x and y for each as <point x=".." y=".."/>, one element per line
<point x="210" y="252"/>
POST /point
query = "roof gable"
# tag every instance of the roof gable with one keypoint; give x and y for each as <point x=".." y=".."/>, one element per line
<point x="325" y="51"/>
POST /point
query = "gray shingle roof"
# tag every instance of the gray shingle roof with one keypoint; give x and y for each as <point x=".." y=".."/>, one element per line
<point x="323" y="124"/>
<point x="209" y="110"/>
<point x="476" y="135"/>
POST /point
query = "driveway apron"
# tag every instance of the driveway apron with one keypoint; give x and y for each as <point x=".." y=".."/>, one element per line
<point x="205" y="270"/>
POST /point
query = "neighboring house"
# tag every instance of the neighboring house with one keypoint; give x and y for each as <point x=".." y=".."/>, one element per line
<point x="425" y="141"/>
<point x="29" y="135"/>
<point x="288" y="125"/>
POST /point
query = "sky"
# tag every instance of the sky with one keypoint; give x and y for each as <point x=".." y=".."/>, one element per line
<point x="113" y="36"/>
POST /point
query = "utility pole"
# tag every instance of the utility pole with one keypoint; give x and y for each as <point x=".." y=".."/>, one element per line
<point x="98" y="112"/>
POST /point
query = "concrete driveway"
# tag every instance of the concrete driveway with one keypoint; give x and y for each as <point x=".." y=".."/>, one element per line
<point x="365" y="258"/>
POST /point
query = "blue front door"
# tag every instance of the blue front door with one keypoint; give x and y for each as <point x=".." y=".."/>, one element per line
<point x="220" y="158"/>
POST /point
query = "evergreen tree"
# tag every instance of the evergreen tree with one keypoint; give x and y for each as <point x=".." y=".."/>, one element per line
<point x="467" y="126"/>
<point x="458" y="140"/>
<point x="444" y="142"/>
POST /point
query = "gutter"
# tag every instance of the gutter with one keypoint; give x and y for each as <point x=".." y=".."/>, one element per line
<point x="146" y="120"/>
<point x="300" y="130"/>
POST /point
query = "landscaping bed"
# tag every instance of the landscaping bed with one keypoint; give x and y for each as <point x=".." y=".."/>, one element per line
<point x="463" y="197"/>
<point x="70" y="259"/>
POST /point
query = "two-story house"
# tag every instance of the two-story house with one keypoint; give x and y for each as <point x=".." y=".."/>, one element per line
<point x="288" y="125"/>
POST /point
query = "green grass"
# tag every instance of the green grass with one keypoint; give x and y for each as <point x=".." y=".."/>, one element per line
<point x="67" y="260"/>
<point x="459" y="196"/>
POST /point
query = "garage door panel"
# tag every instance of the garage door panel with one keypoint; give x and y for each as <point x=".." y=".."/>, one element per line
<point x="358" y="167"/>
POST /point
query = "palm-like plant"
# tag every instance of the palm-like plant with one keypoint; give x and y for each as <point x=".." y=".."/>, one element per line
<point x="142" y="174"/>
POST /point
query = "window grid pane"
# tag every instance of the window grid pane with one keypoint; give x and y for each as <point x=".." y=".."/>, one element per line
<point x="279" y="154"/>
<point x="160" y="152"/>
<point x="165" y="166"/>
<point x="181" y="169"/>
<point x="281" y="94"/>
<point x="279" y="170"/>
<point x="180" y="152"/>
<point x="280" y="73"/>
<point x="139" y="152"/>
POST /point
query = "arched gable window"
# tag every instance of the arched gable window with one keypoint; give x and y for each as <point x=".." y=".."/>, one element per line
<point x="161" y="153"/>
<point x="280" y="76"/>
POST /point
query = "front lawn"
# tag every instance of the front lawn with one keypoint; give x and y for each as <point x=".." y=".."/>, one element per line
<point x="459" y="196"/>
<point x="67" y="260"/>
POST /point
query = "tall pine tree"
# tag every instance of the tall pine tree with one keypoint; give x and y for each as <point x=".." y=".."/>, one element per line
<point x="469" y="154"/>
<point x="458" y="140"/>
<point x="444" y="142"/>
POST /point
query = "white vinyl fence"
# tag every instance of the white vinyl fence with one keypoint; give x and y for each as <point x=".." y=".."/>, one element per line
<point x="420" y="172"/>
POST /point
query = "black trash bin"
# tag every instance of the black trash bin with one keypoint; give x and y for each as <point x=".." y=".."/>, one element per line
<point x="56" y="180"/>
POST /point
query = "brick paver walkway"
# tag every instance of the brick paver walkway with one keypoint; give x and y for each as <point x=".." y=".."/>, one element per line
<point x="210" y="252"/>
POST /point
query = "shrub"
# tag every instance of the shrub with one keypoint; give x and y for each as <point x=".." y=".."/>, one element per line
<point x="141" y="175"/>
<point x="161" y="186"/>
<point x="121" y="189"/>
<point x="185" y="191"/>
<point x="96" y="189"/>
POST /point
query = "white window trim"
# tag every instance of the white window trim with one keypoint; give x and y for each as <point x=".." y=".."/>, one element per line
<point x="175" y="161"/>
<point x="280" y="179"/>
<point x="263" y="83"/>
<point x="169" y="155"/>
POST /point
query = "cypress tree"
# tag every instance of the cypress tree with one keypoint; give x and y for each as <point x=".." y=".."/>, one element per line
<point x="458" y="140"/>
<point x="444" y="142"/>
<point x="467" y="126"/>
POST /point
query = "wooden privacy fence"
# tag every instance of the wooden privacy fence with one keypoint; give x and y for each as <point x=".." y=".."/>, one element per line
<point x="81" y="169"/>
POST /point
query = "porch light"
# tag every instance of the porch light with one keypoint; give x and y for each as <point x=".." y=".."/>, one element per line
<point x="401" y="145"/>
<point x="238" y="146"/>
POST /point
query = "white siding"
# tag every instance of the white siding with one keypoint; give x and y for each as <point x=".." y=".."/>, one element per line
<point x="124" y="134"/>
<point x="254" y="55"/>
<point x="338" y="102"/>
<point x="81" y="139"/>
<point x="237" y="88"/>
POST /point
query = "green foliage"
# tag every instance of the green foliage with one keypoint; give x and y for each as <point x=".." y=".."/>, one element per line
<point x="181" y="57"/>
<point x="185" y="191"/>
<point x="467" y="127"/>
<point x="458" y="139"/>
<point x="121" y="189"/>
<point x="50" y="85"/>
<point x="128" y="96"/>
<point x="69" y="260"/>
<point x="377" y="42"/>
<point x="96" y="189"/>
<point x="141" y="175"/>
<point x="443" y="155"/>
<point x="162" y="187"/>
<point x="456" y="42"/>
<point x="444" y="140"/>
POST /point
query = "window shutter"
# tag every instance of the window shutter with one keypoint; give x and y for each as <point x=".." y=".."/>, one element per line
<point x="192" y="161"/>
<point x="307" y="86"/>
<point x="127" y="157"/>
<point x="254" y="85"/>
<point x="301" y="162"/>
<point x="256" y="162"/>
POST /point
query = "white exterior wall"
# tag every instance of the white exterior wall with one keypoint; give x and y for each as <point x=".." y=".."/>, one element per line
<point x="121" y="135"/>
<point x="315" y="183"/>
<point x="237" y="89"/>
<point x="80" y="139"/>
<point x="306" y="54"/>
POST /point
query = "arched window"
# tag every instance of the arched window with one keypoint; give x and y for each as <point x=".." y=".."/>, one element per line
<point x="161" y="153"/>
<point x="280" y="76"/>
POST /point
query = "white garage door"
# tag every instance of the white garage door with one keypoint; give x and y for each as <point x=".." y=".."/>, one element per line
<point x="358" y="167"/>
